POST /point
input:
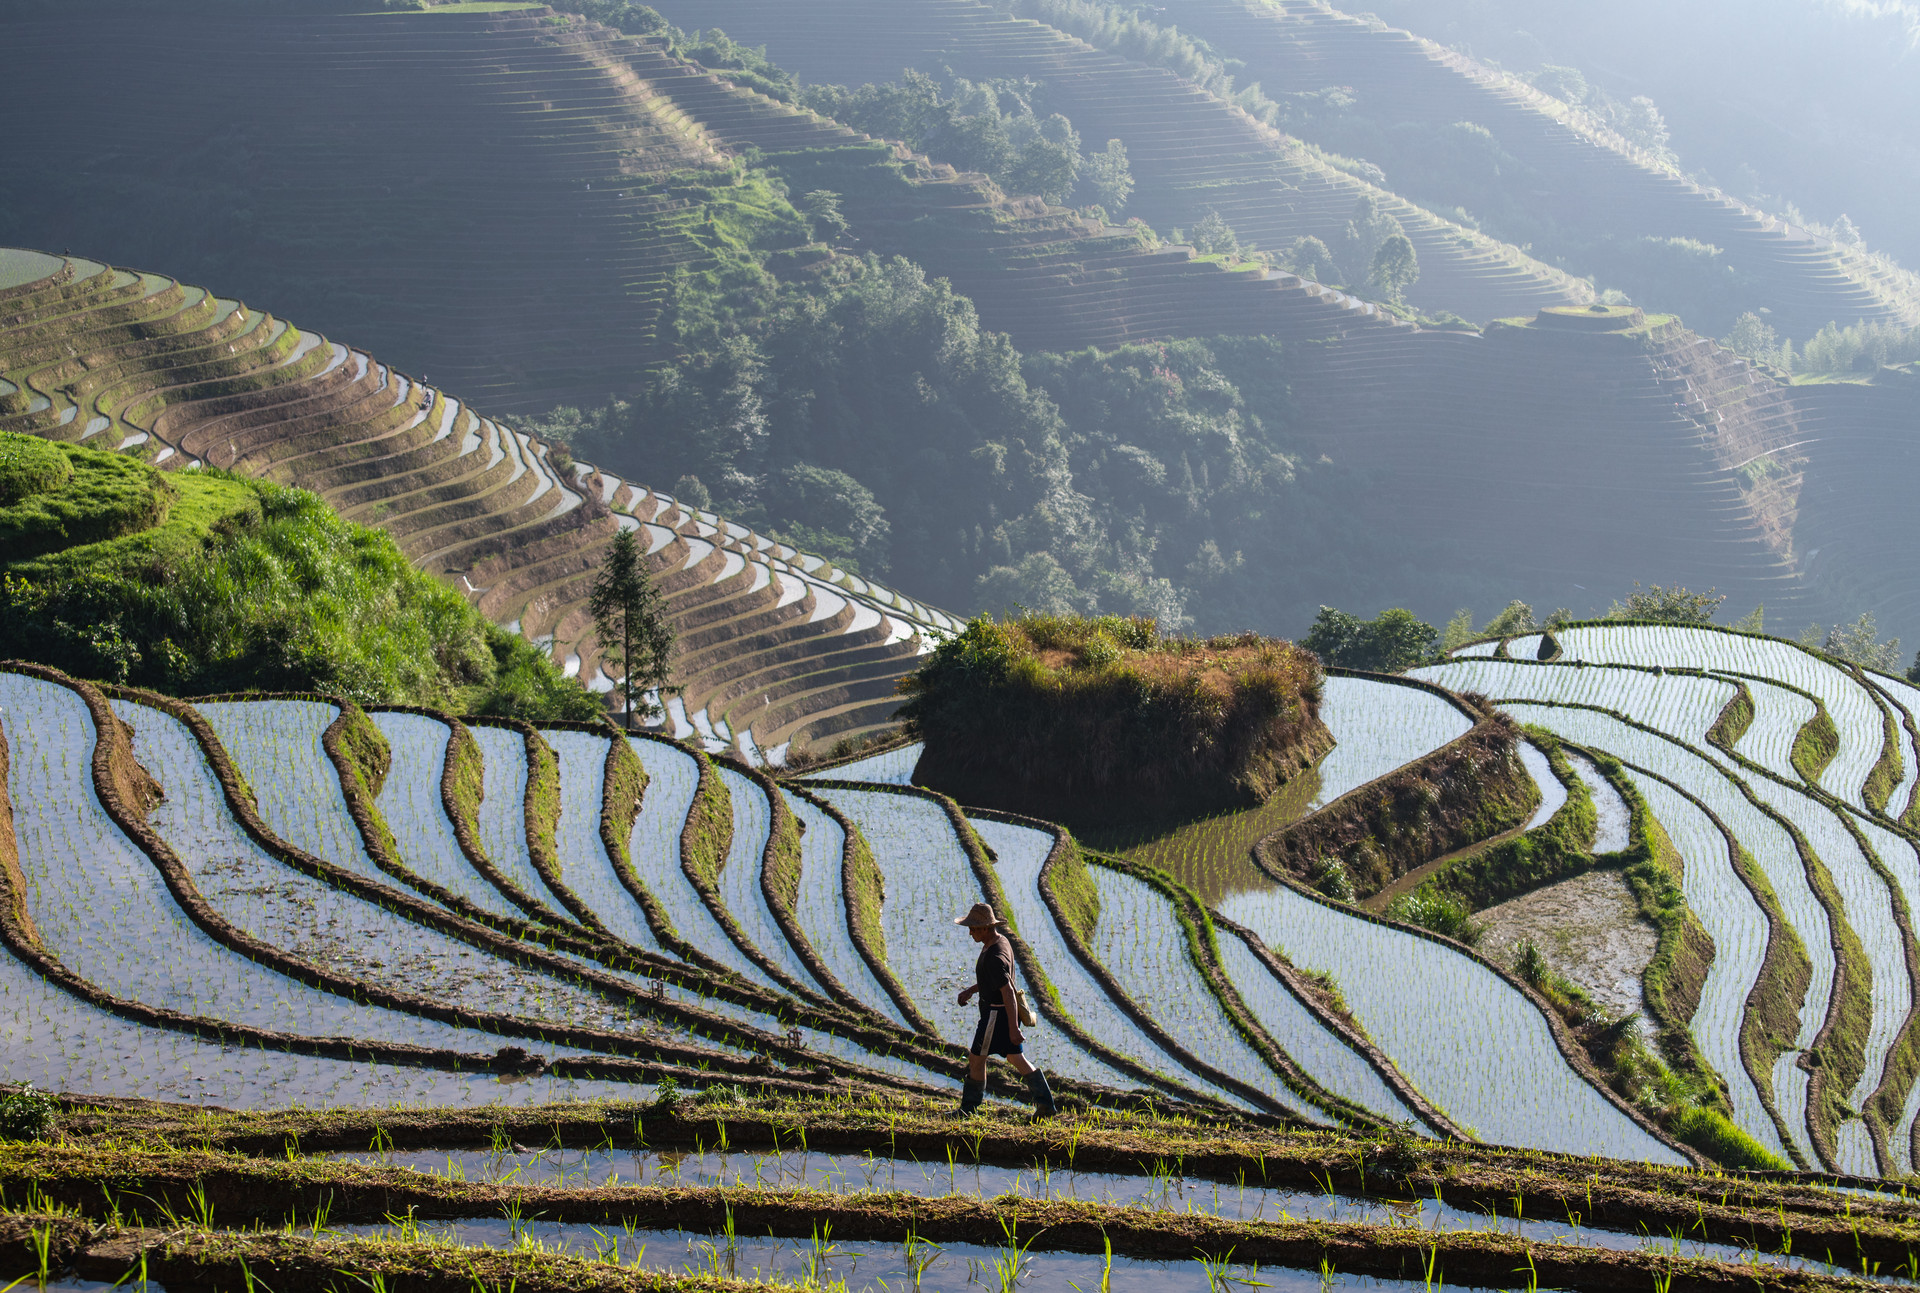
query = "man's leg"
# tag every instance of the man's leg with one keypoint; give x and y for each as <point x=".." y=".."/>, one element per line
<point x="974" y="1089"/>
<point x="1037" y="1089"/>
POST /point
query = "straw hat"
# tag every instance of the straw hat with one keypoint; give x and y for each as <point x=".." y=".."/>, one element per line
<point x="981" y="916"/>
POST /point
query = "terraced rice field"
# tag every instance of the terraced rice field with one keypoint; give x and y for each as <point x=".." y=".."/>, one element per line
<point x="777" y="648"/>
<point x="323" y="914"/>
<point x="1782" y="777"/>
<point x="322" y="887"/>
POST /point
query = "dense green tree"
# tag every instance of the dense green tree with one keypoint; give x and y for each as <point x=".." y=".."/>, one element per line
<point x="1858" y="642"/>
<point x="1392" y="641"/>
<point x="1674" y="605"/>
<point x="822" y="207"/>
<point x="1400" y="640"/>
<point x="1642" y="125"/>
<point x="1395" y="268"/>
<point x="1514" y="619"/>
<point x="629" y="616"/>
<point x="1337" y="637"/>
<point x="1568" y="84"/>
<point x="1366" y="232"/>
<point x="1755" y="338"/>
<point x="1861" y="348"/>
<point x="1038" y="584"/>
<point x="1044" y="168"/>
<point x="1212" y="235"/>
<point x="1309" y="258"/>
<point x="1107" y="177"/>
<point x="831" y="513"/>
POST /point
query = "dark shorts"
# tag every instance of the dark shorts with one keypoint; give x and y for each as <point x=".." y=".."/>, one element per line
<point x="990" y="1038"/>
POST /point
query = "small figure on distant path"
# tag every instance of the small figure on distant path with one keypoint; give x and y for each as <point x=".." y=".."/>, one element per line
<point x="999" y="1030"/>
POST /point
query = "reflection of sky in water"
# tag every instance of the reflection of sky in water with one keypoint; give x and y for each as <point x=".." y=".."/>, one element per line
<point x="1377" y="727"/>
<point x="854" y="1173"/>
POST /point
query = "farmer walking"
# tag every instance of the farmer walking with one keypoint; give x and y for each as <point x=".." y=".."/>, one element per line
<point x="999" y="1030"/>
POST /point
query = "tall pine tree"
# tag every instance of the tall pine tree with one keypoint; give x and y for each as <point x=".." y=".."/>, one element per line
<point x="629" y="615"/>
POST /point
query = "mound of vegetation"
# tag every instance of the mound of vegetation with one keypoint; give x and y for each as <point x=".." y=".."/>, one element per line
<point x="199" y="582"/>
<point x="52" y="499"/>
<point x="1084" y="719"/>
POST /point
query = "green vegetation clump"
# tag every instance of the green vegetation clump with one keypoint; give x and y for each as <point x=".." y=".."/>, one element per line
<point x="1442" y="913"/>
<point x="1676" y="605"/>
<point x="991" y="126"/>
<point x="27" y="1113"/>
<point x="1074" y="718"/>
<point x="30" y="465"/>
<point x="1858" y="643"/>
<point x="200" y="582"/>
<point x="56" y="496"/>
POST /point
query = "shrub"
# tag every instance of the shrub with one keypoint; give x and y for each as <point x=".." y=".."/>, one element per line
<point x="1719" y="1139"/>
<point x="1330" y="878"/>
<point x="1442" y="913"/>
<point x="26" y="1114"/>
<point x="1676" y="605"/>
<point x="30" y="465"/>
<point x="1392" y="641"/>
<point x="721" y="1093"/>
<point x="1530" y="963"/>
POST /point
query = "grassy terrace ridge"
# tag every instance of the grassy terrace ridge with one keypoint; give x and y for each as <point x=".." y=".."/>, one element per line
<point x="195" y="582"/>
<point x="1076" y="719"/>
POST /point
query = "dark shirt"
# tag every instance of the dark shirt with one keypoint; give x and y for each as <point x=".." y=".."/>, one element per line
<point x="993" y="972"/>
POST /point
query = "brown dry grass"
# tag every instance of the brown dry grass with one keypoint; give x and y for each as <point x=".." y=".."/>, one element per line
<point x="1082" y="719"/>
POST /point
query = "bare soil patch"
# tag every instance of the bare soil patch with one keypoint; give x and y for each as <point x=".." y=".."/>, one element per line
<point x="1589" y="929"/>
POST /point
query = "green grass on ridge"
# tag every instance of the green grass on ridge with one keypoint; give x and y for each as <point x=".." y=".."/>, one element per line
<point x="210" y="582"/>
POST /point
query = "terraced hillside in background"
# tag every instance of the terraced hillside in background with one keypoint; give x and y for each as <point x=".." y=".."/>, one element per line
<point x="1051" y="279"/>
<point x="517" y="209"/>
<point x="1189" y="151"/>
<point x="1581" y="177"/>
<point x="1621" y="443"/>
<point x="501" y="205"/>
<point x="1635" y="449"/>
<point x="776" y="646"/>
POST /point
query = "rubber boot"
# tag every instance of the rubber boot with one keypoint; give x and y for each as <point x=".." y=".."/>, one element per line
<point x="1043" y="1105"/>
<point x="971" y="1094"/>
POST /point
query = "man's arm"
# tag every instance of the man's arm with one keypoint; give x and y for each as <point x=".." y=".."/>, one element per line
<point x="1013" y="1014"/>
